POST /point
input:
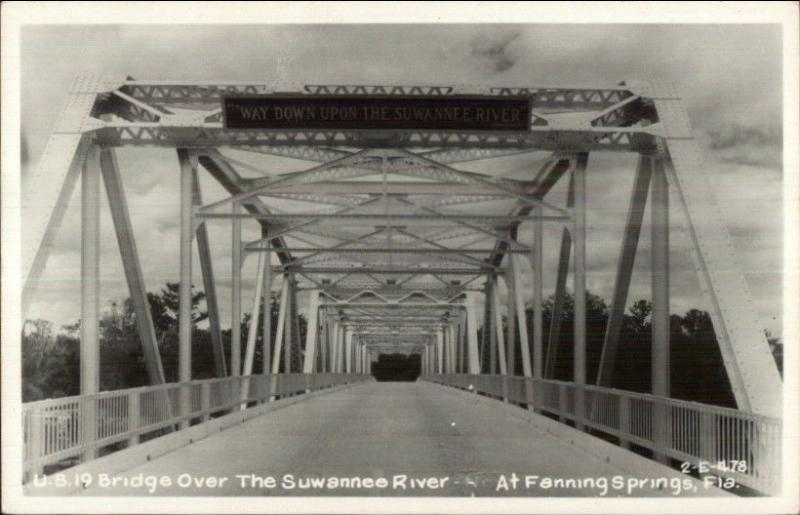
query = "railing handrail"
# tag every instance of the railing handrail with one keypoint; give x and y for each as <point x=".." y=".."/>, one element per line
<point x="688" y="431"/>
<point x="723" y="410"/>
<point x="152" y="388"/>
<point x="91" y="422"/>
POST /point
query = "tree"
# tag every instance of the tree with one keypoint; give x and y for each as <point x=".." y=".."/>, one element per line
<point x="257" y="356"/>
<point x="596" y="318"/>
<point x="50" y="364"/>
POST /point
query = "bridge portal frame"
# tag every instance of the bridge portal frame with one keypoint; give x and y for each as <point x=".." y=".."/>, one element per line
<point x="649" y="120"/>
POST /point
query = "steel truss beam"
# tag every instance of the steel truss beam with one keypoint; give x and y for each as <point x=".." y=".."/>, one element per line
<point x="90" y="291"/>
<point x="161" y="134"/>
<point x="439" y="323"/>
<point x="209" y="283"/>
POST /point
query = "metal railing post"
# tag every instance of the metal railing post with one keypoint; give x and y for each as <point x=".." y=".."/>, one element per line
<point x="133" y="418"/>
<point x="36" y="439"/>
<point x="624" y="421"/>
<point x="562" y="402"/>
<point x="661" y="421"/>
<point x="205" y="400"/>
<point x="708" y="437"/>
<point x="88" y="424"/>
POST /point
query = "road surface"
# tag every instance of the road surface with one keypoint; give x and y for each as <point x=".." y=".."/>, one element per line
<point x="386" y="439"/>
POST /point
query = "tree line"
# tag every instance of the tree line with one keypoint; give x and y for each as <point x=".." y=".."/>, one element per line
<point x="51" y="366"/>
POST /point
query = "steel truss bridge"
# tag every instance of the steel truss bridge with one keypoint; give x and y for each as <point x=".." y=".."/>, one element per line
<point x="396" y="246"/>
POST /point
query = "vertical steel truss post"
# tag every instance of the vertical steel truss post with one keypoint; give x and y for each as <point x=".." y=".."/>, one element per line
<point x="457" y="347"/>
<point x="430" y="358"/>
<point x="340" y="358"/>
<point x="324" y="344"/>
<point x="335" y="351"/>
<point x="440" y="350"/>
<point x="90" y="294"/>
<point x="456" y="343"/>
<point x="185" y="308"/>
<point x="288" y="330"/>
<point x="130" y="260"/>
<point x="511" y="343"/>
<point x="356" y="346"/>
<point x="348" y="350"/>
<point x="280" y="328"/>
<point x="332" y="339"/>
<point x="266" y="325"/>
<point x="310" y="357"/>
<point x="630" y="242"/>
<point x="340" y="348"/>
<point x="462" y="342"/>
<point x="354" y="353"/>
<point x="443" y="359"/>
<point x="489" y="324"/>
<point x="209" y="282"/>
<point x="579" y="236"/>
<point x="486" y="331"/>
<point x="522" y="322"/>
<point x="296" y="357"/>
<point x="473" y="363"/>
<point x="660" y="355"/>
<point x="451" y="348"/>
<point x="252" y="329"/>
<point x="236" y="290"/>
<point x="448" y="343"/>
<point x="538" y="279"/>
<point x="498" y="330"/>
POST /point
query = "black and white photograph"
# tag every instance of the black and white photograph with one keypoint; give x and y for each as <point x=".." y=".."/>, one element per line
<point x="464" y="257"/>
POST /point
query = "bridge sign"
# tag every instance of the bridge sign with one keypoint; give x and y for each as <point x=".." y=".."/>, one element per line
<point x="408" y="112"/>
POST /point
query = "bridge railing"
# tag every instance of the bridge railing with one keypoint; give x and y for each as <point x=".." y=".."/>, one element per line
<point x="70" y="429"/>
<point x="714" y="441"/>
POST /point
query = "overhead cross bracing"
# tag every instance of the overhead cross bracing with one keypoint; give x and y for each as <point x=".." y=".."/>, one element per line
<point x="402" y="238"/>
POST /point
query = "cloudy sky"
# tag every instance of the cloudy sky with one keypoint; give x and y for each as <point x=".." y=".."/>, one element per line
<point x="730" y="77"/>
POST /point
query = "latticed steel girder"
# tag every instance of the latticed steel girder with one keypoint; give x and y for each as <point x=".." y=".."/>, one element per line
<point x="189" y="115"/>
<point x="542" y="97"/>
<point x="395" y="337"/>
<point x="435" y="290"/>
<point x="158" y="134"/>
